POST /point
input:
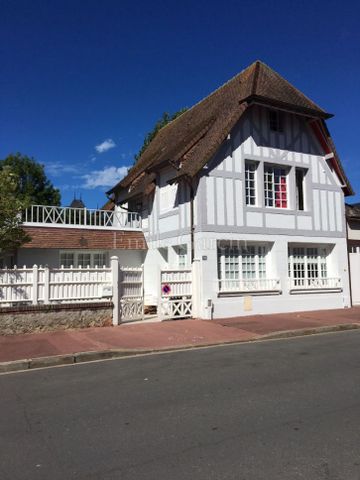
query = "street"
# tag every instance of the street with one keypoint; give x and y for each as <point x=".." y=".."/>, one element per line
<point x="283" y="409"/>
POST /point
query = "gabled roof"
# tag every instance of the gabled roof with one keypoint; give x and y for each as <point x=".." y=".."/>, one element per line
<point x="189" y="141"/>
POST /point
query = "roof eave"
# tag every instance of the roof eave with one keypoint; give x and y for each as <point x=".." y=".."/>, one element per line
<point x="258" y="99"/>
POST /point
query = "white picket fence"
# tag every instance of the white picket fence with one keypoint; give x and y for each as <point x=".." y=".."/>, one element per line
<point x="42" y="285"/>
<point x="176" y="299"/>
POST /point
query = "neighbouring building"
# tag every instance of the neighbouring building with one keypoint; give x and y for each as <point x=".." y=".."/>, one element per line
<point x="353" y="230"/>
<point x="248" y="185"/>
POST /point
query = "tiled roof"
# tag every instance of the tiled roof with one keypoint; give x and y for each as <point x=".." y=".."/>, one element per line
<point x="353" y="211"/>
<point x="190" y="140"/>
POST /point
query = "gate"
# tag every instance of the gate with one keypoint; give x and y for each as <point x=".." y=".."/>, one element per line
<point x="176" y="299"/>
<point x="131" y="293"/>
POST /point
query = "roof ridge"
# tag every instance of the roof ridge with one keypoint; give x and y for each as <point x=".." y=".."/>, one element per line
<point x="290" y="85"/>
<point x="213" y="92"/>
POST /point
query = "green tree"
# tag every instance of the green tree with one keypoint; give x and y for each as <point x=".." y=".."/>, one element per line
<point x="164" y="120"/>
<point x="12" y="235"/>
<point x="33" y="187"/>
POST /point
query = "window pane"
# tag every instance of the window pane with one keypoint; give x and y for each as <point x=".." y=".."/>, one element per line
<point x="275" y="186"/>
<point x="250" y="183"/>
<point x="66" y="259"/>
<point x="84" y="259"/>
<point x="99" y="259"/>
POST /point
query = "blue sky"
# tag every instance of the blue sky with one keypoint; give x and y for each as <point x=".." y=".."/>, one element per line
<point x="76" y="75"/>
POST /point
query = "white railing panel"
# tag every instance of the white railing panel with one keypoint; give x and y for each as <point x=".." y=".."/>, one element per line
<point x="81" y="217"/>
<point x="176" y="282"/>
<point x="250" y="285"/>
<point x="328" y="283"/>
<point x="16" y="285"/>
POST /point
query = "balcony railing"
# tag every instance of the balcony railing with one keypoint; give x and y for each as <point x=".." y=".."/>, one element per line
<point x="49" y="216"/>
<point x="250" y="285"/>
<point x="329" y="283"/>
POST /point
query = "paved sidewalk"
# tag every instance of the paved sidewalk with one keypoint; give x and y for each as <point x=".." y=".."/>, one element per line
<point x="164" y="335"/>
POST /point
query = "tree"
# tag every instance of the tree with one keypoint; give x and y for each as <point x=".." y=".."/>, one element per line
<point x="12" y="235"/>
<point x="164" y="120"/>
<point x="33" y="187"/>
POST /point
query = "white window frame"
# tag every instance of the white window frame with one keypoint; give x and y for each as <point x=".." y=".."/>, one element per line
<point x="245" y="268"/>
<point x="270" y="183"/>
<point x="77" y="253"/>
<point x="309" y="266"/>
<point x="251" y="183"/>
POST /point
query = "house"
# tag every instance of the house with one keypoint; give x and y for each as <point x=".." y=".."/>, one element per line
<point x="80" y="237"/>
<point x="353" y="232"/>
<point x="248" y="187"/>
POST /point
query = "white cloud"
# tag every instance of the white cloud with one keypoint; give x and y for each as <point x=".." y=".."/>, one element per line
<point x="105" y="145"/>
<point x="56" y="169"/>
<point x="107" y="177"/>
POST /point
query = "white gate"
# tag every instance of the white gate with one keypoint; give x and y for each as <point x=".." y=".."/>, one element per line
<point x="131" y="293"/>
<point x="176" y="299"/>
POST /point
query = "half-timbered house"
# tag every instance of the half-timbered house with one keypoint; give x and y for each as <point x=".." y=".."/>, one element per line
<point x="247" y="187"/>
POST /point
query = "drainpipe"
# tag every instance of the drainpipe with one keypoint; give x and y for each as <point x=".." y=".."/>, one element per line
<point x="192" y="227"/>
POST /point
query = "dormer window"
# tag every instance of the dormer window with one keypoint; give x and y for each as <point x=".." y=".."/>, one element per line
<point x="275" y="121"/>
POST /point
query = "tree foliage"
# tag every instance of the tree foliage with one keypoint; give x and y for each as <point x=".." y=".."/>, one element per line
<point x="164" y="120"/>
<point x="12" y="235"/>
<point x="32" y="186"/>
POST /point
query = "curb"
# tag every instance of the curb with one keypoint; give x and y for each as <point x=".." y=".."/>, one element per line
<point x="93" y="356"/>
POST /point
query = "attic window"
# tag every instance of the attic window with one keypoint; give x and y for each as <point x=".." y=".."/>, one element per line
<point x="275" y="121"/>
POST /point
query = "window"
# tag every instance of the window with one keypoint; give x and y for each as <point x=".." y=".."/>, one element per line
<point x="299" y="181"/>
<point x="182" y="256"/>
<point x="307" y="264"/>
<point x="67" y="259"/>
<point x="275" y="186"/>
<point x="83" y="259"/>
<point x="275" y="121"/>
<point x="168" y="192"/>
<point x="250" y="182"/>
<point x="100" y="259"/>
<point x="241" y="263"/>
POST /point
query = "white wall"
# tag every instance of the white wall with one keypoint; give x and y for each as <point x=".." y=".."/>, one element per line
<point x="206" y="252"/>
<point x="355" y="277"/>
<point x="51" y="257"/>
<point x="222" y="195"/>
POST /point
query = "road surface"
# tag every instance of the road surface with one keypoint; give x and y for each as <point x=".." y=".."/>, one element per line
<point x="286" y="409"/>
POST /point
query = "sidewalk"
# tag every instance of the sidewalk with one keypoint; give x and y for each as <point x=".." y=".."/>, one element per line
<point x="171" y="335"/>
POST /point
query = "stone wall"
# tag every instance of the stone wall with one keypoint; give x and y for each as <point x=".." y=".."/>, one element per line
<point x="46" y="318"/>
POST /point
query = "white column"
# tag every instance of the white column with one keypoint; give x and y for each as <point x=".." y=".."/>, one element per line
<point x="35" y="285"/>
<point x="115" y="289"/>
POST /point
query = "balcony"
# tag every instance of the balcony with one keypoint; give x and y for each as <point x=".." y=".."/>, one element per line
<point x="259" y="285"/>
<point x="328" y="284"/>
<point x="85" y="218"/>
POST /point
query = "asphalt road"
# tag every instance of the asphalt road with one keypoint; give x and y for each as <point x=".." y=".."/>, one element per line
<point x="287" y="409"/>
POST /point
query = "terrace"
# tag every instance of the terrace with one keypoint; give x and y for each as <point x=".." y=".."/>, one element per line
<point x="85" y="218"/>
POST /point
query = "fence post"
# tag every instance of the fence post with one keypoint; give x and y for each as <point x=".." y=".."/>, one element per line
<point x="115" y="287"/>
<point x="159" y="308"/>
<point x="46" y="285"/>
<point x="35" y="285"/>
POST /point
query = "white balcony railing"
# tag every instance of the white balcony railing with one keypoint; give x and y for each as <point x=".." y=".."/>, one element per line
<point x="253" y="285"/>
<point x="332" y="283"/>
<point x="42" y="215"/>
